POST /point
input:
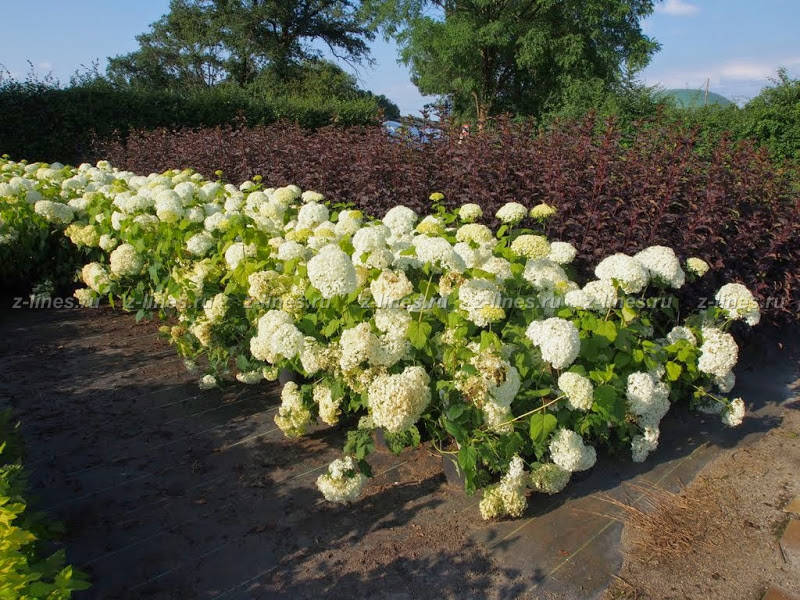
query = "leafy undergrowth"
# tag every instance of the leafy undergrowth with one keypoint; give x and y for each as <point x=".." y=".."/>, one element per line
<point x="27" y="569"/>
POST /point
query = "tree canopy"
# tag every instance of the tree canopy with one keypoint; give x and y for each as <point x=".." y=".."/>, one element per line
<point x="518" y="56"/>
<point x="205" y="42"/>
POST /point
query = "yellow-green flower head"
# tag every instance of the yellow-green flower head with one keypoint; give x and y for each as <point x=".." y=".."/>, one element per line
<point x="531" y="246"/>
<point x="436" y="197"/>
<point x="430" y="225"/>
<point x="542" y="211"/>
<point x="470" y="213"/>
<point x="697" y="266"/>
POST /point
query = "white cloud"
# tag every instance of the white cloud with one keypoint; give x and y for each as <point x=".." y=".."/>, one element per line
<point x="677" y="8"/>
<point x="45" y="66"/>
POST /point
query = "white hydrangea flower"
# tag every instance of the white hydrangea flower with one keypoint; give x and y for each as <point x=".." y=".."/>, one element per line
<point x="558" y="339"/>
<point x="643" y="445"/>
<point x="249" y="377"/>
<point x="285" y="195"/>
<point x="342" y="483"/>
<point x="628" y="272"/>
<point x="498" y="419"/>
<point x="718" y="352"/>
<point x="216" y="308"/>
<point x="437" y="251"/>
<point x="549" y="478"/>
<point x="397" y="401"/>
<point x="568" y="451"/>
<point x="430" y="225"/>
<point x="542" y="211"/>
<point x="293" y="417"/>
<point x="725" y="383"/>
<point x="578" y="389"/>
<point x="237" y="252"/>
<point x="562" y="253"/>
<point x="662" y="264"/>
<point x="648" y="398"/>
<point x="357" y="345"/>
<point x="681" y="333"/>
<point x="393" y="321"/>
<point x="290" y="250"/>
<point x="207" y="382"/>
<point x="332" y="272"/>
<point x="390" y="287"/>
<point x="370" y="238"/>
<point x="86" y="297"/>
<point x="511" y="213"/>
<point x="95" y="276"/>
<point x="481" y="299"/>
<point x="531" y="246"/>
<point x="470" y="212"/>
<point x="200" y="243"/>
<point x="499" y="267"/>
<point x="107" y="242"/>
<point x="216" y="221"/>
<point x="598" y="295"/>
<point x="276" y="336"/>
<point x="472" y="256"/>
<point x="733" y="414"/>
<point x="169" y="207"/>
<point x="400" y="220"/>
<point x="125" y="261"/>
<point x="54" y="212"/>
<point x="348" y="223"/>
<point x="313" y="356"/>
<point x="382" y="258"/>
<point x="311" y="215"/>
<point x="310" y="196"/>
<point x="738" y="303"/>
<point x="545" y="275"/>
<point x="327" y="406"/>
<point x="507" y="498"/>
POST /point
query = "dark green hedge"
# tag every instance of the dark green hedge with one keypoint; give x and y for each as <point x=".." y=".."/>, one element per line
<point x="42" y="122"/>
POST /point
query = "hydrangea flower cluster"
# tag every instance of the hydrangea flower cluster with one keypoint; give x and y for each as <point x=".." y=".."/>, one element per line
<point x="430" y="327"/>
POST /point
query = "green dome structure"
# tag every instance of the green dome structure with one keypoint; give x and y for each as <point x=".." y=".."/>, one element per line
<point x="694" y="98"/>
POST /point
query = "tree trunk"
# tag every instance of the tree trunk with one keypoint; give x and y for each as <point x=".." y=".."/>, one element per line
<point x="481" y="111"/>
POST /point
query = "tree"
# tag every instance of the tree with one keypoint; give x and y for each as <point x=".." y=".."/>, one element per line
<point x="204" y="42"/>
<point x="520" y="56"/>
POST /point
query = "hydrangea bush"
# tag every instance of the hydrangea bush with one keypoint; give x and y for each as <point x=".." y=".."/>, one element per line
<point x="430" y="327"/>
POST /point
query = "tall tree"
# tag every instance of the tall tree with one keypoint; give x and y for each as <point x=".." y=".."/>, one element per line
<point x="520" y="56"/>
<point x="203" y="42"/>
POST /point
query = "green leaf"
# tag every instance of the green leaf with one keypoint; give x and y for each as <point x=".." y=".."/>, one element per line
<point x="467" y="462"/>
<point x="674" y="370"/>
<point x="419" y="333"/>
<point x="608" y="403"/>
<point x="628" y="314"/>
<point x="606" y="329"/>
<point x="541" y="426"/>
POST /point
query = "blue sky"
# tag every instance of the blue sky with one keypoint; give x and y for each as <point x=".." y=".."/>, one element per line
<point x="738" y="44"/>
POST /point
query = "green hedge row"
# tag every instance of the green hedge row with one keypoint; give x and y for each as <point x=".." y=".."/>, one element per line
<point x="43" y="122"/>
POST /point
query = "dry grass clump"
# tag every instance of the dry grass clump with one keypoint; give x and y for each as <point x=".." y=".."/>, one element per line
<point x="664" y="526"/>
